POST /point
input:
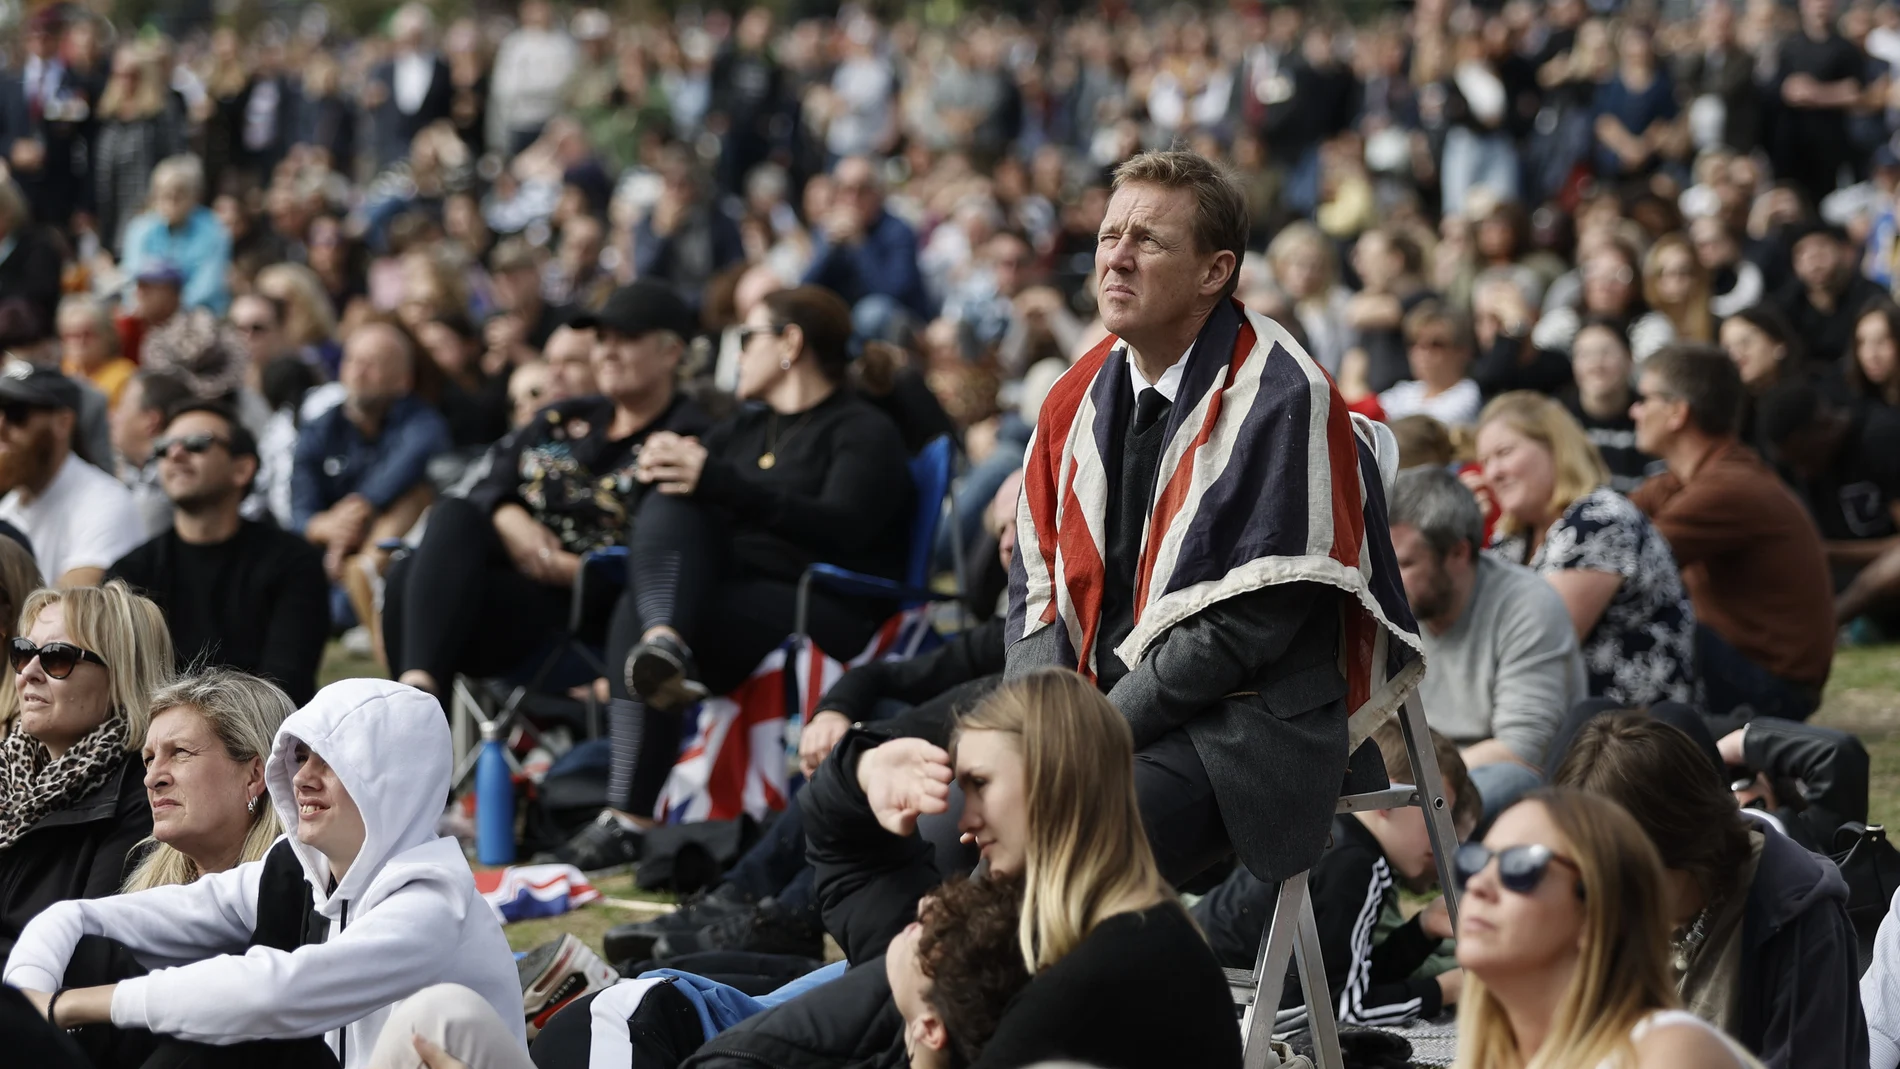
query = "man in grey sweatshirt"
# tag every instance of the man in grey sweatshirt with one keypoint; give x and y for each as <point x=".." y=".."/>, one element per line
<point x="1502" y="657"/>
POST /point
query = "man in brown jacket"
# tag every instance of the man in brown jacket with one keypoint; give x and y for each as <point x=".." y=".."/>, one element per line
<point x="1750" y="555"/>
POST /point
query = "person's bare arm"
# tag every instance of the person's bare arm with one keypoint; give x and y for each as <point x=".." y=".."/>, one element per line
<point x="1586" y="594"/>
<point x="1490" y="752"/>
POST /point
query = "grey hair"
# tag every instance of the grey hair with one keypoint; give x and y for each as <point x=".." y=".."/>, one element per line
<point x="78" y="306"/>
<point x="184" y="169"/>
<point x="1432" y="501"/>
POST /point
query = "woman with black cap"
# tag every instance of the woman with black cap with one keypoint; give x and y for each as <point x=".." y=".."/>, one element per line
<point x="806" y="472"/>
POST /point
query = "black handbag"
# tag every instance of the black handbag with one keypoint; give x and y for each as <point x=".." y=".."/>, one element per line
<point x="1871" y="866"/>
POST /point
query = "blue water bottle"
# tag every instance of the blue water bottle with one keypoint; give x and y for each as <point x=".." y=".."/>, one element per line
<point x="494" y="802"/>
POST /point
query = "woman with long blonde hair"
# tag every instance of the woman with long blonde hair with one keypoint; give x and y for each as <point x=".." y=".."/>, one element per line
<point x="1046" y="767"/>
<point x="1614" y="570"/>
<point x="86" y="662"/>
<point x="204" y="775"/>
<point x="1566" y="956"/>
<point x="1564" y="952"/>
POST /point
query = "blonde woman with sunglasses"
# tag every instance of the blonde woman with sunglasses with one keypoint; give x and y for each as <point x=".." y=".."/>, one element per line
<point x="1566" y="957"/>
<point x="85" y="663"/>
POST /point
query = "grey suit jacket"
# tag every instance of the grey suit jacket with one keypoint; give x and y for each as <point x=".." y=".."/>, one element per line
<point x="1256" y="683"/>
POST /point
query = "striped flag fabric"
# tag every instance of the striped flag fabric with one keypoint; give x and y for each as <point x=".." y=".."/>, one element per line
<point x="1264" y="478"/>
<point x="741" y="756"/>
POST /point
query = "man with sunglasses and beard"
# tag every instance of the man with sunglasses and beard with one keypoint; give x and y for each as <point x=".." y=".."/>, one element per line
<point x="78" y="518"/>
<point x="236" y="592"/>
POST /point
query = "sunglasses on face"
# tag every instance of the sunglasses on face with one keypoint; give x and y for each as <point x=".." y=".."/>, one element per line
<point x="746" y="334"/>
<point x="1520" y="868"/>
<point x="191" y="443"/>
<point x="17" y="413"/>
<point x="57" y="659"/>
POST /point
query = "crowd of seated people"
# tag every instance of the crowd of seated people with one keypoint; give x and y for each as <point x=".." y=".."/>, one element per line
<point x="385" y="337"/>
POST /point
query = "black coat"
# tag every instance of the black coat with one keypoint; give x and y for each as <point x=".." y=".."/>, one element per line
<point x="1800" y="967"/>
<point x="77" y="852"/>
<point x="394" y="130"/>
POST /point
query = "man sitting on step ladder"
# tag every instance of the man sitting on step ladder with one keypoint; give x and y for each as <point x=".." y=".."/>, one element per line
<point x="1202" y="533"/>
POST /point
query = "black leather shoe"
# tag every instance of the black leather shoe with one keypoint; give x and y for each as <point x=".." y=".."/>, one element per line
<point x="660" y="672"/>
<point x="604" y="844"/>
<point x="634" y="942"/>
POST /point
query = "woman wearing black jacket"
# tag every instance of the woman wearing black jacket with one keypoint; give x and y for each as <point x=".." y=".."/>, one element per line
<point x="806" y="472"/>
<point x="72" y="804"/>
<point x="1120" y="977"/>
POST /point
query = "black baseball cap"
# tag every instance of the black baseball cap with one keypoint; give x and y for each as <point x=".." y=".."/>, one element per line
<point x="38" y="387"/>
<point x="641" y="308"/>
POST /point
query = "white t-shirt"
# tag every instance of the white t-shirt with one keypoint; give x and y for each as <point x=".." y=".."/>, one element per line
<point x="85" y="519"/>
<point x="1684" y="1019"/>
<point x="1456" y="407"/>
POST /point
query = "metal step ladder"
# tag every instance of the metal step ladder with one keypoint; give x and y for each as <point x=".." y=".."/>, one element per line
<point x="1294" y="935"/>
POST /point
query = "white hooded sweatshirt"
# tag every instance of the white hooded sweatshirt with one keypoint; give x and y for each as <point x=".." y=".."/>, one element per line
<point x="404" y="917"/>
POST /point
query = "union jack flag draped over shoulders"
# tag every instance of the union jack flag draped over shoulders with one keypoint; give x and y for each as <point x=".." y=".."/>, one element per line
<point x="1264" y="478"/>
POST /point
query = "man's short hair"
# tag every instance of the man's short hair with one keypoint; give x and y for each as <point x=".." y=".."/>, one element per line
<point x="95" y="312"/>
<point x="1220" y="205"/>
<point x="161" y="391"/>
<point x="1705" y="378"/>
<point x="1466" y="806"/>
<point x="1432" y="501"/>
<point x="243" y="443"/>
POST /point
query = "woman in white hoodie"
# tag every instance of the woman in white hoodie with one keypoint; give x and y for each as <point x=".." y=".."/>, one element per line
<point x="362" y="906"/>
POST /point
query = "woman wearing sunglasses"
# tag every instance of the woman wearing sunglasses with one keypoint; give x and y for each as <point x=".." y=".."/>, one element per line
<point x="1566" y="957"/>
<point x="85" y="664"/>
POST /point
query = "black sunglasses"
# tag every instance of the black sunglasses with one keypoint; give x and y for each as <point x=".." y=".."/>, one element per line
<point x="192" y="443"/>
<point x="18" y="412"/>
<point x="1520" y="868"/>
<point x="57" y="659"/>
<point x="746" y="334"/>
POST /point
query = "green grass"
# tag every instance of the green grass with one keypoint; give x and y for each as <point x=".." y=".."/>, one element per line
<point x="1863" y="696"/>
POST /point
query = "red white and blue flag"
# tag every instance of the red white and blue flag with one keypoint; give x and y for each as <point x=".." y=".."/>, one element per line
<point x="743" y="753"/>
<point x="1264" y="478"/>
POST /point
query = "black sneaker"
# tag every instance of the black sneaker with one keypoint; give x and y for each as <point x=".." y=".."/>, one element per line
<point x="660" y="672"/>
<point x="604" y="844"/>
<point x="634" y="942"/>
<point x="766" y="930"/>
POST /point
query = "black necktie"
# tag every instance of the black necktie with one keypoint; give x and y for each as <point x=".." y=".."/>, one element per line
<point x="1150" y="405"/>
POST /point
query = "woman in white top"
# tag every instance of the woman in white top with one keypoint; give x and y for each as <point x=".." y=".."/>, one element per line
<point x="1565" y="954"/>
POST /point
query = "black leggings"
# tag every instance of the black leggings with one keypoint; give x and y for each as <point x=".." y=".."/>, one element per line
<point x="680" y="576"/>
<point x="457" y="604"/>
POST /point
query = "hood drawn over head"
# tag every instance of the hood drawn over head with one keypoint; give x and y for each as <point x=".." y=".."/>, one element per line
<point x="389" y="745"/>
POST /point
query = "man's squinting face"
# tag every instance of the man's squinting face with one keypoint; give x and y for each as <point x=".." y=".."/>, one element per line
<point x="1151" y="268"/>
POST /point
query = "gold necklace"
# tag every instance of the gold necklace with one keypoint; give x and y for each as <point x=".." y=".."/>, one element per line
<point x="770" y="457"/>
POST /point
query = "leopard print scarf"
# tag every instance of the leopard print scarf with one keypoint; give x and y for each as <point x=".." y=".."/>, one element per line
<point x="32" y="784"/>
